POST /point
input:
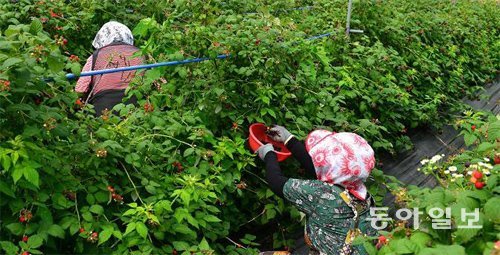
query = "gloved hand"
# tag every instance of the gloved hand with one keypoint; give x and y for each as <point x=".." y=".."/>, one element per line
<point x="264" y="149"/>
<point x="279" y="134"/>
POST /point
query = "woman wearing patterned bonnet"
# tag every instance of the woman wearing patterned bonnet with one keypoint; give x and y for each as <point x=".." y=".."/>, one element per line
<point x="336" y="201"/>
<point x="114" y="44"/>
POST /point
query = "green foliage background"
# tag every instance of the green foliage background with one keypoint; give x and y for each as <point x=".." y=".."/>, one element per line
<point x="414" y="63"/>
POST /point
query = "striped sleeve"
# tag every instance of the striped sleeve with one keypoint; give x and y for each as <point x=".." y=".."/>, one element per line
<point x="82" y="85"/>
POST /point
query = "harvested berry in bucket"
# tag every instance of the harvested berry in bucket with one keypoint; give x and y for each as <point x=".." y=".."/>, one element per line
<point x="271" y="132"/>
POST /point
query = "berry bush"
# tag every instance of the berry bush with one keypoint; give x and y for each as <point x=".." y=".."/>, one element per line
<point x="175" y="176"/>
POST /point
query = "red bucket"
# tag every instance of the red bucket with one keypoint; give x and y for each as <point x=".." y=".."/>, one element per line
<point x="258" y="137"/>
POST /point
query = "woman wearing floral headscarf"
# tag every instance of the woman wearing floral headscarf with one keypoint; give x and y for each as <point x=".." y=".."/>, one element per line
<point x="336" y="203"/>
<point x="114" y="44"/>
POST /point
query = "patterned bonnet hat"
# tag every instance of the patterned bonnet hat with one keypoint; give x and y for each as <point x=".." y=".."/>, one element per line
<point x="112" y="32"/>
<point x="343" y="158"/>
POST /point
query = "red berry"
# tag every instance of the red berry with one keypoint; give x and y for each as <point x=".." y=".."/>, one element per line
<point x="148" y="107"/>
<point x="25" y="239"/>
<point x="95" y="235"/>
<point x="22" y="219"/>
<point x="81" y="230"/>
<point x="110" y="188"/>
<point x="382" y="239"/>
<point x="479" y="185"/>
<point x="497" y="159"/>
<point x="257" y="42"/>
<point x="473" y="128"/>
<point x="473" y="179"/>
<point x="25" y="253"/>
<point x="478" y="175"/>
<point x="174" y="252"/>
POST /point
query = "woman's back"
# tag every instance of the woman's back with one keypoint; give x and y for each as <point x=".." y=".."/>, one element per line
<point x="108" y="57"/>
<point x="329" y="218"/>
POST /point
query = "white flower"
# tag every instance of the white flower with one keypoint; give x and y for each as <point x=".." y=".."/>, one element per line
<point x="424" y="161"/>
<point x="453" y="174"/>
<point x="452" y="179"/>
<point x="481" y="164"/>
<point x="489" y="166"/>
<point x="435" y="158"/>
<point x="486" y="172"/>
<point x="469" y="172"/>
<point x="452" y="168"/>
<point x="459" y="175"/>
<point x="442" y="155"/>
<point x="486" y="159"/>
<point x="446" y="172"/>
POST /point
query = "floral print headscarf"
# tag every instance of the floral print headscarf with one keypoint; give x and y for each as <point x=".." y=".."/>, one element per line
<point x="343" y="158"/>
<point x="113" y="32"/>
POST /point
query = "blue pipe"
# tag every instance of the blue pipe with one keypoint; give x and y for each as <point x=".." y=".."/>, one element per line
<point x="285" y="10"/>
<point x="70" y="76"/>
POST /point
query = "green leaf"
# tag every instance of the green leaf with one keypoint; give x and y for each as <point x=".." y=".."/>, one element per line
<point x="17" y="174"/>
<point x="87" y="216"/>
<point x="485" y="147"/>
<point x="31" y="175"/>
<point x="35" y="241"/>
<point x="105" y="235"/>
<point x="97" y="209"/>
<point x="15" y="228"/>
<point x="141" y="229"/>
<point x="421" y="239"/>
<point x="188" y="152"/>
<point x="211" y="218"/>
<point x="180" y="246"/>
<point x="204" y="245"/>
<point x="9" y="247"/>
<point x="4" y="188"/>
<point x="444" y="250"/>
<point x="469" y="138"/>
<point x="192" y="220"/>
<point x="403" y="246"/>
<point x="55" y="64"/>
<point x="57" y="231"/>
<point x="10" y="62"/>
<point x="6" y="162"/>
<point x="491" y="209"/>
<point x="130" y="228"/>
<point x="36" y="26"/>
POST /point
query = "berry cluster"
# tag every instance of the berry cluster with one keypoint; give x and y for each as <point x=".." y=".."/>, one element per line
<point x="148" y="107"/>
<point x="101" y="153"/>
<point x="476" y="179"/>
<point x="60" y="40"/>
<point x="74" y="58"/>
<point x="116" y="197"/>
<point x="25" y="216"/>
<point x="4" y="85"/>
<point x="179" y="166"/>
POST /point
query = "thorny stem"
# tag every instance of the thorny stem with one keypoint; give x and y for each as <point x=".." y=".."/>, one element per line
<point x="260" y="178"/>
<point x="254" y="218"/>
<point x="167" y="136"/>
<point x="235" y="243"/>
<point x="77" y="212"/>
<point x="130" y="179"/>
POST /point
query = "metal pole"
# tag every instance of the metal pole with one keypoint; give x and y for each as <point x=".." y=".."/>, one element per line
<point x="348" y="23"/>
